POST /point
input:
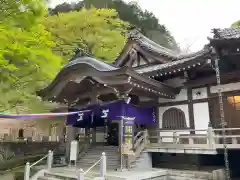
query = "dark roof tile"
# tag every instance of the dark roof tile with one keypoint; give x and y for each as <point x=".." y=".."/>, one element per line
<point x="227" y="33"/>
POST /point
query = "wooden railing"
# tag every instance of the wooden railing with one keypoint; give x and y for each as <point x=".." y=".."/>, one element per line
<point x="190" y="138"/>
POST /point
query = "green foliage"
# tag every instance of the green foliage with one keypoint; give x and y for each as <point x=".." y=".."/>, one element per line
<point x="144" y="20"/>
<point x="236" y="24"/>
<point x="26" y="58"/>
<point x="97" y="31"/>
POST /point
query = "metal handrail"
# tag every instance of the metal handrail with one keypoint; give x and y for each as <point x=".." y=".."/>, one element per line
<point x="89" y="169"/>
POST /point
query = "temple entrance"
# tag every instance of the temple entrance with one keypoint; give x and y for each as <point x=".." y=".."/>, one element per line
<point x="21" y="134"/>
<point x="113" y="134"/>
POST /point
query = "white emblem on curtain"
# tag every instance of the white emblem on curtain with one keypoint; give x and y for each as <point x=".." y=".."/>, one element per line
<point x="105" y="113"/>
<point x="80" y="116"/>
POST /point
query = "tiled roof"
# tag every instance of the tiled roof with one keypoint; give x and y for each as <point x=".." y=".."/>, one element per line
<point x="227" y="33"/>
<point x="96" y="64"/>
<point x="182" y="61"/>
<point x="150" y="45"/>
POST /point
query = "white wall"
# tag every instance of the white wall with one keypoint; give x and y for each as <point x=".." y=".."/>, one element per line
<point x="199" y="93"/>
<point x="201" y="116"/>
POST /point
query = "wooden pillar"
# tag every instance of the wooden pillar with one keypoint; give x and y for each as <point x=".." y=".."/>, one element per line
<point x="190" y="109"/>
<point x="210" y="123"/>
<point x="94" y="100"/>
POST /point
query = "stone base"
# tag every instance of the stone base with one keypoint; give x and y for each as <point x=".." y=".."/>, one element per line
<point x="122" y="170"/>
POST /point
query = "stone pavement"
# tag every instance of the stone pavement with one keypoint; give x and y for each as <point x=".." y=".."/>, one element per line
<point x="8" y="176"/>
<point x="115" y="175"/>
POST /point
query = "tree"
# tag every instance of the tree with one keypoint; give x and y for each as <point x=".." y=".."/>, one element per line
<point x="236" y="24"/>
<point x="132" y="13"/>
<point x="97" y="31"/>
<point x="26" y="58"/>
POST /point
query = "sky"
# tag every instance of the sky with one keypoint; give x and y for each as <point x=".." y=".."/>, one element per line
<point x="191" y="21"/>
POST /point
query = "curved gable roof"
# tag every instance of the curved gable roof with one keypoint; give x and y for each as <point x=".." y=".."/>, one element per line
<point x="96" y="64"/>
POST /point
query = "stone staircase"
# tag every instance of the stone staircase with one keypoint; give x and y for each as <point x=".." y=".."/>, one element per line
<point x="88" y="159"/>
<point x="95" y="152"/>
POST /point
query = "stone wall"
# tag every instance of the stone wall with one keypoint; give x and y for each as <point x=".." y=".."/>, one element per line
<point x="192" y="175"/>
<point x="31" y="148"/>
<point x="9" y="128"/>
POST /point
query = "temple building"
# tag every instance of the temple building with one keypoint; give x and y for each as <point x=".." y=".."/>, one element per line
<point x="173" y="97"/>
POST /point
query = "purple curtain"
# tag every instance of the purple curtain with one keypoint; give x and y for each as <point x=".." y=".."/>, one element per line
<point x="111" y="111"/>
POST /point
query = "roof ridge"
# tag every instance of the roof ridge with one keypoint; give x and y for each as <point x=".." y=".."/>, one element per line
<point x="137" y="36"/>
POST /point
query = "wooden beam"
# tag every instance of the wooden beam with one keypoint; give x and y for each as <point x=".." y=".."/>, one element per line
<point x="138" y="60"/>
<point x="131" y="61"/>
<point x="143" y="57"/>
<point x="143" y="52"/>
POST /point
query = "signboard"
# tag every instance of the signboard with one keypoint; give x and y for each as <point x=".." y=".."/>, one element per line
<point x="128" y="132"/>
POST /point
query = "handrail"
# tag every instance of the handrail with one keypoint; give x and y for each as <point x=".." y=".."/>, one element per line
<point x="210" y="139"/>
<point x="138" y="146"/>
<point x="28" y="167"/>
<point x="39" y="161"/>
<point x="103" y="168"/>
<point x="89" y="169"/>
<point x="136" y="136"/>
<point x="227" y="129"/>
<point x="177" y="130"/>
<point x="188" y="129"/>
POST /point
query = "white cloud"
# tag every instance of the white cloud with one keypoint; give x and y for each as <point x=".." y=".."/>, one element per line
<point x="191" y="20"/>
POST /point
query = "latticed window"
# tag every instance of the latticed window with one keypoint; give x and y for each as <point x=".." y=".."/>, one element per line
<point x="174" y="118"/>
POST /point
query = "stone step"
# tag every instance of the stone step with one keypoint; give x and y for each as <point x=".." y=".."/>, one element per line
<point x="100" y="152"/>
<point x="96" y="155"/>
<point x="47" y="178"/>
<point x="67" y="176"/>
<point x="95" y="159"/>
<point x="60" y="176"/>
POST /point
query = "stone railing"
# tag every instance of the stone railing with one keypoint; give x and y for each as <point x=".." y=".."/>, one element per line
<point x="28" y="166"/>
<point x="139" y="143"/>
<point x="190" y="138"/>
